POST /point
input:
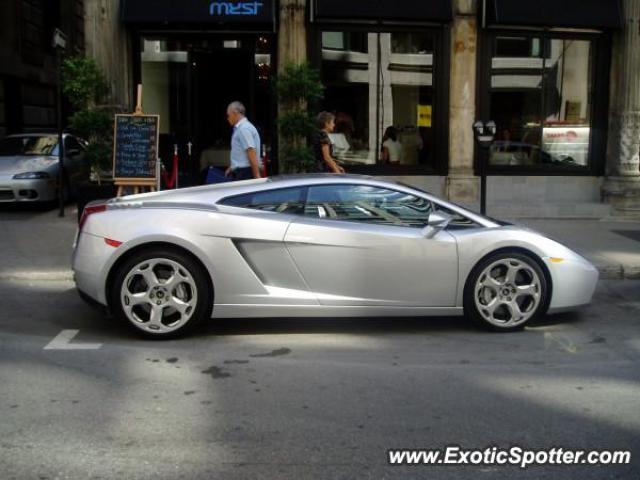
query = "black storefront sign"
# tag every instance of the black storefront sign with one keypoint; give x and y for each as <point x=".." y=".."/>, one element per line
<point x="181" y="12"/>
<point x="554" y="13"/>
<point x="437" y="11"/>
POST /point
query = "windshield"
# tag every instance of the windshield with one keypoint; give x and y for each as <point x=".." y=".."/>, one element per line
<point x="494" y="220"/>
<point x="44" y="145"/>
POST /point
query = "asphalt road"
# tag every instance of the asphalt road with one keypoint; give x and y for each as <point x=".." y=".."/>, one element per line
<point x="293" y="398"/>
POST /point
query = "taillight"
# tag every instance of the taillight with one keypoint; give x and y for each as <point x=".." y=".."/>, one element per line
<point x="112" y="243"/>
<point x="89" y="209"/>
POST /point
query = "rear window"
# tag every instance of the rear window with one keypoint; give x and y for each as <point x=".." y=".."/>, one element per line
<point x="282" y="200"/>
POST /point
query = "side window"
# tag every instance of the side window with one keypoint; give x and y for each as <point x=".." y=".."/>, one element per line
<point x="458" y="221"/>
<point x="282" y="200"/>
<point x="367" y="204"/>
<point x="71" y="144"/>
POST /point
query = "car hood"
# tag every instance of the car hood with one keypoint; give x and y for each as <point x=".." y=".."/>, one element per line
<point x="24" y="163"/>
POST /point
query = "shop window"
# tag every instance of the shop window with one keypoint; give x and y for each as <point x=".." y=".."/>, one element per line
<point x="351" y="41"/>
<point x="381" y="89"/>
<point x="540" y="99"/>
<point x="518" y="47"/>
<point x="410" y="42"/>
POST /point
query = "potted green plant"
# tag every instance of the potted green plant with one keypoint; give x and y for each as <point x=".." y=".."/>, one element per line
<point x="297" y="87"/>
<point x="86" y="88"/>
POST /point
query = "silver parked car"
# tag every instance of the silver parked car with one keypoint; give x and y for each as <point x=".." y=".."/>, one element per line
<point x="321" y="246"/>
<point x="29" y="166"/>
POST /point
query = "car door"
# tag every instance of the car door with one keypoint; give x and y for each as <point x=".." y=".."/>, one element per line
<point x="260" y="270"/>
<point x="365" y="245"/>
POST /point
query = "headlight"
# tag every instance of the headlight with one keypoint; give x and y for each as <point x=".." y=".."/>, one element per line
<point x="31" y="176"/>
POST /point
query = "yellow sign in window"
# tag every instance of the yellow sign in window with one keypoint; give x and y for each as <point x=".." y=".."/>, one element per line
<point x="424" y="115"/>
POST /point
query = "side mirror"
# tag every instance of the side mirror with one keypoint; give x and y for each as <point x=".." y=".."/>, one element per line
<point x="73" y="152"/>
<point x="437" y="221"/>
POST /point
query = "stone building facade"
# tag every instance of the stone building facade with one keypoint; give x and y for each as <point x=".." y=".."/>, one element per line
<point x="28" y="61"/>
<point x="560" y="79"/>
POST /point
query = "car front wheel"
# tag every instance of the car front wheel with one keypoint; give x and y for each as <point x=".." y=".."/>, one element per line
<point x="161" y="293"/>
<point x="505" y="292"/>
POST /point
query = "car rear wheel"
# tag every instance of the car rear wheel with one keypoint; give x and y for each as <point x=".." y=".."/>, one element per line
<point x="505" y="292"/>
<point x="161" y="293"/>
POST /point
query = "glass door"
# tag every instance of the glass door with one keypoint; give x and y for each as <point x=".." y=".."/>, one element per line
<point x="190" y="83"/>
<point x="166" y="86"/>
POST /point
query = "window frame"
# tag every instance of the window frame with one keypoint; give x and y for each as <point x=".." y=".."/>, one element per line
<point x="303" y="194"/>
<point x="599" y="91"/>
<point x="355" y="184"/>
<point x="435" y="205"/>
<point x="68" y="143"/>
<point x="441" y="69"/>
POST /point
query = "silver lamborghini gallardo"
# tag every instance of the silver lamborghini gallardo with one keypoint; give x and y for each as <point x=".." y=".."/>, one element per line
<point x="316" y="245"/>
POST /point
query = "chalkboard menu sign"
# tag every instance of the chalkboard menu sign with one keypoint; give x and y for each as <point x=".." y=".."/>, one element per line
<point x="135" y="148"/>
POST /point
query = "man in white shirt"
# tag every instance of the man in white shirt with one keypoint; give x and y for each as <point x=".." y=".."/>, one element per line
<point x="245" y="144"/>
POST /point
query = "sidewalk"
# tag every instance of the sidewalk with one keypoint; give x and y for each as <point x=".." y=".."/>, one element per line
<point x="43" y="240"/>
<point x="612" y="245"/>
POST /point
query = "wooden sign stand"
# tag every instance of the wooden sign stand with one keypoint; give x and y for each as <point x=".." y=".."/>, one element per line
<point x="136" y="183"/>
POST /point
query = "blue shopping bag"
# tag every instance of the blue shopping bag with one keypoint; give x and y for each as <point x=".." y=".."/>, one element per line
<point x="216" y="175"/>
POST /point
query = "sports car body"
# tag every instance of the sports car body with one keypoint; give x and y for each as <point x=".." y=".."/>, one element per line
<point x="316" y="245"/>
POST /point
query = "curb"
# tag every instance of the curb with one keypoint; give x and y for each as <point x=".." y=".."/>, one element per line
<point x="619" y="272"/>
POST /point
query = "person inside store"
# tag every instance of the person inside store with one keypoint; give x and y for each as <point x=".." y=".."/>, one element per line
<point x="322" y="146"/>
<point x="245" y="145"/>
<point x="391" y="148"/>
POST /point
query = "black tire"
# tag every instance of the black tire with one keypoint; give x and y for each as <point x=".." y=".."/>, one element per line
<point x="200" y="284"/>
<point x="534" y="305"/>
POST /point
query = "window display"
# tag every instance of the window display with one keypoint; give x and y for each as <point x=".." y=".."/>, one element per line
<point x="540" y="99"/>
<point x="379" y="82"/>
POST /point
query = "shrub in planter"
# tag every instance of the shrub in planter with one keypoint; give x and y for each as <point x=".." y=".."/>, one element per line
<point x="297" y="86"/>
<point x="85" y="86"/>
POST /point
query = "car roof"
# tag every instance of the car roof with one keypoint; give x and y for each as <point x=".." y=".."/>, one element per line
<point x="213" y="194"/>
<point x="34" y="134"/>
<point x="322" y="176"/>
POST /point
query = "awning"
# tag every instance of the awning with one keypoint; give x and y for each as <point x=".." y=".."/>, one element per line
<point x="171" y="12"/>
<point x="554" y="13"/>
<point x="432" y="11"/>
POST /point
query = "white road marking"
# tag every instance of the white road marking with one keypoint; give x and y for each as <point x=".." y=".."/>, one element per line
<point x="63" y="339"/>
<point x="567" y="345"/>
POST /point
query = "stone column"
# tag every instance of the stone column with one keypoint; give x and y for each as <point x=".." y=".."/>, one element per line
<point x="292" y="33"/>
<point x="622" y="186"/>
<point x="462" y="185"/>
<point x="108" y="42"/>
<point x="292" y="48"/>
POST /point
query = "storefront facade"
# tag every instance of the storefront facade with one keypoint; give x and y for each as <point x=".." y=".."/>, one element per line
<point x="192" y="60"/>
<point x="420" y="71"/>
<point x="385" y="70"/>
<point x="543" y="77"/>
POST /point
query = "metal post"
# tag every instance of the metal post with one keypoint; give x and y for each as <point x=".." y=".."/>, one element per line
<point x="483" y="179"/>
<point x="61" y="176"/>
<point x="158" y="174"/>
<point x="59" y="43"/>
<point x="175" y="164"/>
<point x="484" y="134"/>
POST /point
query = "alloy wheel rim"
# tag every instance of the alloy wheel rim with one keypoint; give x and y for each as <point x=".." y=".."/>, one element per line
<point x="159" y="295"/>
<point x="508" y="292"/>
